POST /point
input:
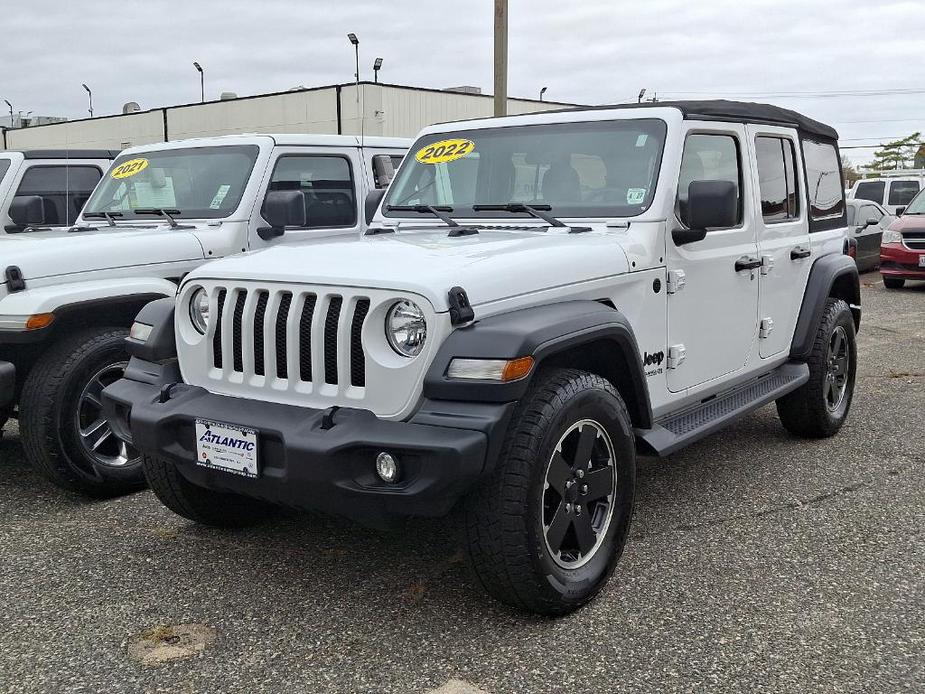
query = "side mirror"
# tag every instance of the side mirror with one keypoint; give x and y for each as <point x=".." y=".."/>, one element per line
<point x="710" y="205"/>
<point x="899" y="211"/>
<point x="27" y="210"/>
<point x="373" y="198"/>
<point x="281" y="209"/>
<point x="870" y="222"/>
<point x="383" y="170"/>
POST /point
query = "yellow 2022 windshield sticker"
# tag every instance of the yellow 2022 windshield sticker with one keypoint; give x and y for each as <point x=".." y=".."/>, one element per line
<point x="129" y="168"/>
<point x="444" y="151"/>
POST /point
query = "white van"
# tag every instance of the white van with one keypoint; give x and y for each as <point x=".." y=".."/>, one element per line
<point x="893" y="190"/>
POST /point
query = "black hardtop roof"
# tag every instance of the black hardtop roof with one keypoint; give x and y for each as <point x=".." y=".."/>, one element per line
<point x="70" y="153"/>
<point x="737" y="111"/>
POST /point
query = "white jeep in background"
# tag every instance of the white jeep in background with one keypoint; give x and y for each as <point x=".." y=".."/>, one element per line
<point x="48" y="184"/>
<point x="69" y="294"/>
<point x="538" y="298"/>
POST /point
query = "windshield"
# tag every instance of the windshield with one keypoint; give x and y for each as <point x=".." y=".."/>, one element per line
<point x="596" y="169"/>
<point x="917" y="206"/>
<point x="200" y="182"/>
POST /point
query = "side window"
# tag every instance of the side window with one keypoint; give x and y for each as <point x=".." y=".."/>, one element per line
<point x="64" y="189"/>
<point x="870" y="190"/>
<point x="327" y="184"/>
<point x="709" y="158"/>
<point x="4" y="167"/>
<point x="824" y="184"/>
<point x="902" y="192"/>
<point x="777" y="179"/>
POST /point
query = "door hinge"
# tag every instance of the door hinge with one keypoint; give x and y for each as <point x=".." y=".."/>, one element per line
<point x="767" y="264"/>
<point x="676" y="356"/>
<point x="676" y="281"/>
<point x="764" y="330"/>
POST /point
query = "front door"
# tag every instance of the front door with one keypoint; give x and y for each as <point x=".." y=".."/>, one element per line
<point x="712" y="318"/>
<point x="783" y="235"/>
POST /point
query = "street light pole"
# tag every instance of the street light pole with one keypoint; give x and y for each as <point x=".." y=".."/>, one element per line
<point x="543" y="91"/>
<point x="11" y="111"/>
<point x="356" y="45"/>
<point x="500" y="58"/>
<point x="202" y="82"/>
<point x="377" y="65"/>
<point x="89" y="96"/>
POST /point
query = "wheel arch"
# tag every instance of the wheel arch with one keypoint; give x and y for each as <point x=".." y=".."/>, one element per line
<point x="583" y="334"/>
<point x="831" y="276"/>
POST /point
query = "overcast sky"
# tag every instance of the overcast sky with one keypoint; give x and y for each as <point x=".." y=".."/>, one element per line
<point x="585" y="51"/>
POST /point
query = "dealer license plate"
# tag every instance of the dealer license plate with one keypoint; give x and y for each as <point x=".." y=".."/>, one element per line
<point x="227" y="447"/>
<point x="922" y="261"/>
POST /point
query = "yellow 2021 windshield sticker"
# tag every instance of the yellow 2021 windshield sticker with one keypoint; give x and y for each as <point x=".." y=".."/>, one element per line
<point x="129" y="168"/>
<point x="444" y="151"/>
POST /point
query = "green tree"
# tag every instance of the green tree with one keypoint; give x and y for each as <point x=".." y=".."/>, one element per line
<point x="899" y="154"/>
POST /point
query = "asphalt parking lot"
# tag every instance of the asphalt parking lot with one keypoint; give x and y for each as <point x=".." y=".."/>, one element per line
<point x="756" y="562"/>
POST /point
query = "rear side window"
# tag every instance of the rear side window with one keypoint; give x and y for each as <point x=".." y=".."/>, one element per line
<point x="870" y="190"/>
<point x="824" y="184"/>
<point x="709" y="158"/>
<point x="4" y="167"/>
<point x="902" y="192"/>
<point x="327" y="184"/>
<point x="777" y="179"/>
<point x="64" y="189"/>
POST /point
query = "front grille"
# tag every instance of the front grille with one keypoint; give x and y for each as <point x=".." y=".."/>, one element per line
<point x="914" y="240"/>
<point x="312" y="336"/>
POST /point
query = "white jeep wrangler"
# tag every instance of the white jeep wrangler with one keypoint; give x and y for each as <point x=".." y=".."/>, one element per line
<point x="542" y="297"/>
<point x="50" y="185"/>
<point x="69" y="294"/>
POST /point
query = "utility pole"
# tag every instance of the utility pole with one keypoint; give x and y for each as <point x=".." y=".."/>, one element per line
<point x="500" y="58"/>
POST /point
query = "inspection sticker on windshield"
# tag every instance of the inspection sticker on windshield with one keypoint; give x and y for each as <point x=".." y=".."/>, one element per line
<point x="219" y="197"/>
<point x="129" y="168"/>
<point x="635" y="196"/>
<point x="444" y="151"/>
<point x="226" y="447"/>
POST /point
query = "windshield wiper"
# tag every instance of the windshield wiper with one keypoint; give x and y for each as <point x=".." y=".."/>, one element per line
<point x="161" y="212"/>
<point x="436" y="210"/>
<point x="108" y="216"/>
<point x="537" y="211"/>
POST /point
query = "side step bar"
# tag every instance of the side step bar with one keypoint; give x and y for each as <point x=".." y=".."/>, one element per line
<point x="679" y="429"/>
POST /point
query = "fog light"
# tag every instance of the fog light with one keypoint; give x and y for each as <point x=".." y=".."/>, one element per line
<point x="387" y="467"/>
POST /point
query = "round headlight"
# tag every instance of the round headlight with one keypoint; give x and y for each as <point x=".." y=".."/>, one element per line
<point x="406" y="328"/>
<point x="199" y="310"/>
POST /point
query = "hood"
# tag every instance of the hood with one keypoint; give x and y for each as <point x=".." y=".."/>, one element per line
<point x="909" y="222"/>
<point x="60" y="252"/>
<point x="490" y="265"/>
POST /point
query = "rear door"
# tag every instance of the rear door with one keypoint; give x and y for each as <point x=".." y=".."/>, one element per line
<point x="869" y="235"/>
<point x="901" y="194"/>
<point x="712" y="319"/>
<point x="783" y="235"/>
<point x="329" y="178"/>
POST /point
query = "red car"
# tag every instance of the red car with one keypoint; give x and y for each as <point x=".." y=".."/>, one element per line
<point x="902" y="251"/>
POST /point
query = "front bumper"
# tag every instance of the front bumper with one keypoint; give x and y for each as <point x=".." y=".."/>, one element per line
<point x="7" y="382"/>
<point x="314" y="459"/>
<point x="900" y="262"/>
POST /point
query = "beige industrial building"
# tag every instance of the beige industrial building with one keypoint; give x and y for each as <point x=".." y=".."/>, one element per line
<point x="370" y="108"/>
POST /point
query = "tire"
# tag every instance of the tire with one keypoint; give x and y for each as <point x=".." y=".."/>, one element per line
<point x="200" y="505"/>
<point x="815" y="410"/>
<point x="60" y="400"/>
<point x="505" y="517"/>
<point x="893" y="282"/>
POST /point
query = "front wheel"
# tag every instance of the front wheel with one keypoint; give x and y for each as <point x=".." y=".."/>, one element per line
<point x="545" y="530"/>
<point x="64" y="433"/>
<point x="893" y="282"/>
<point x="819" y="407"/>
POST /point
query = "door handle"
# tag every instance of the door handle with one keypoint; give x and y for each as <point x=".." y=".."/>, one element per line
<point x="799" y="252"/>
<point x="747" y="263"/>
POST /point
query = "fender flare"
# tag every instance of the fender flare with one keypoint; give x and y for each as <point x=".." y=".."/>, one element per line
<point x="71" y="296"/>
<point x="542" y="332"/>
<point x="825" y="273"/>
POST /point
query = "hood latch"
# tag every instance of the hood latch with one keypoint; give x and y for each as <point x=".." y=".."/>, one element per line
<point x="460" y="308"/>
